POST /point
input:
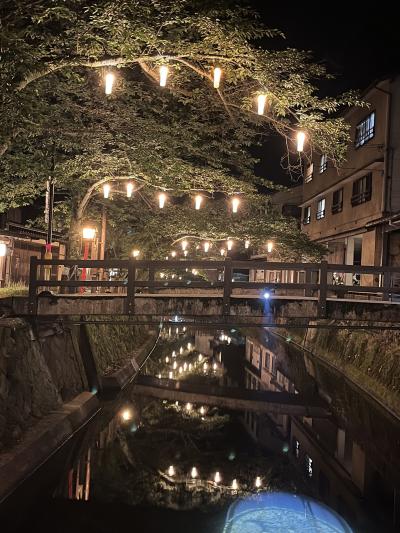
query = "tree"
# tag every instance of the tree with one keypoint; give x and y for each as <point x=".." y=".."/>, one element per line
<point x="188" y="137"/>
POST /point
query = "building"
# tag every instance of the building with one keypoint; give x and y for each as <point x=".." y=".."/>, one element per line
<point x="18" y="244"/>
<point x="355" y="209"/>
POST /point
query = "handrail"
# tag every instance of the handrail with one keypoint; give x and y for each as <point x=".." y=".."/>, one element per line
<point x="316" y="282"/>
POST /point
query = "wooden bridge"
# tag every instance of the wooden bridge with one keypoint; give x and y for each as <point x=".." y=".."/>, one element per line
<point x="231" y="398"/>
<point x="151" y="291"/>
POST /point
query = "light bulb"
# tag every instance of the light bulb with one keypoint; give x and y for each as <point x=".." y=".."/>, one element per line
<point x="301" y="137"/>
<point x="184" y="245"/>
<point x="206" y="246"/>
<point x="163" y="75"/>
<point x="235" y="485"/>
<point x="126" y="415"/>
<point x="173" y="254"/>
<point x="171" y="471"/>
<point x="185" y="366"/>
<point x="106" y="190"/>
<point x="188" y="407"/>
<point x="229" y="244"/>
<point x="135" y="253"/>
<point x="161" y="199"/>
<point x="181" y="350"/>
<point x="217" y="477"/>
<point x="200" y="357"/>
<point x="258" y="482"/>
<point x="180" y="370"/>
<point x="217" y="77"/>
<point x="222" y="251"/>
<point x="197" y="201"/>
<point x="170" y="375"/>
<point x="269" y="246"/>
<point x="185" y="253"/>
<point x="246" y="244"/>
<point x="235" y="205"/>
<point x="174" y="365"/>
<point x="129" y="190"/>
<point x="167" y="359"/>
<point x="194" y="473"/>
<point x="189" y="346"/>
<point x="261" y="99"/>
<point x="109" y="82"/>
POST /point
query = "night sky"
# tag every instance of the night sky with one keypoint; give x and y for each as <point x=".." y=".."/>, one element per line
<point x="357" y="47"/>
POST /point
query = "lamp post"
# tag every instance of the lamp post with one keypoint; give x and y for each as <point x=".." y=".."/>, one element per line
<point x="88" y="235"/>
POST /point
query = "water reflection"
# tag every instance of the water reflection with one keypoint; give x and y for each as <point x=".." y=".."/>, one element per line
<point x="186" y="456"/>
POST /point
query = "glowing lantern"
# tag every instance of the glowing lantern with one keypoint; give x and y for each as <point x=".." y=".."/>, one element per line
<point x="229" y="244"/>
<point x="194" y="473"/>
<point x="258" y="482"/>
<point x="184" y="245"/>
<point x="126" y="415"/>
<point x="106" y="190"/>
<point x="170" y="375"/>
<point x="235" y="485"/>
<point x="235" y="205"/>
<point x="173" y="254"/>
<point x="109" y="82"/>
<point x="174" y="365"/>
<point x="129" y="190"/>
<point x="161" y="200"/>
<point x="167" y="359"/>
<point x="246" y="244"/>
<point x="171" y="471"/>
<point x="188" y="407"/>
<point x="301" y="137"/>
<point x="202" y="410"/>
<point x="200" y="357"/>
<point x="217" y="77"/>
<point x="185" y="253"/>
<point x="181" y="350"/>
<point x="206" y="246"/>
<point x="270" y="246"/>
<point x="163" y="75"/>
<point x="222" y="251"/>
<point x="136" y="253"/>
<point x="189" y="346"/>
<point x="261" y="99"/>
<point x="88" y="233"/>
<point x="197" y="202"/>
<point x="217" y="477"/>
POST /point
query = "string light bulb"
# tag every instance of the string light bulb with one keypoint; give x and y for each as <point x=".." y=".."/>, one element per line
<point x="197" y="201"/>
<point x="194" y="473"/>
<point x="106" y="190"/>
<point x="161" y="200"/>
<point x="163" y="75"/>
<point x="206" y="246"/>
<point x="235" y="484"/>
<point x="171" y="471"/>
<point x="246" y="244"/>
<point x="270" y="246"/>
<point x="217" y="477"/>
<point x="110" y="78"/>
<point x="235" y="204"/>
<point x="301" y="137"/>
<point x="129" y="190"/>
<point x="185" y="253"/>
<point x="229" y="244"/>
<point x="184" y="245"/>
<point x="222" y="251"/>
<point x="173" y="253"/>
<point x="261" y="100"/>
<point x="258" y="482"/>
<point x="217" y="77"/>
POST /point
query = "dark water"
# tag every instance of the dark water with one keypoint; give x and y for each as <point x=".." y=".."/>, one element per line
<point x="114" y="473"/>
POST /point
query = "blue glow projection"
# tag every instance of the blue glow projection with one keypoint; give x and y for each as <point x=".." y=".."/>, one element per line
<point x="267" y="295"/>
<point x="281" y="512"/>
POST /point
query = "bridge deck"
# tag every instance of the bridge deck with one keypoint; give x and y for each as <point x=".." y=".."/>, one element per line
<point x="231" y="398"/>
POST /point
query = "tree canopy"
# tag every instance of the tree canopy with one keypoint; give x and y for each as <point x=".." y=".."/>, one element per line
<point x="187" y="137"/>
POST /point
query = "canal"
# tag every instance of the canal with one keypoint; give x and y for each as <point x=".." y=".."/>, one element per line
<point x="163" y="465"/>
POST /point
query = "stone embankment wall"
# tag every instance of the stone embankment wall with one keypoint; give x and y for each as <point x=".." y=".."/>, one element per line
<point x="41" y="367"/>
<point x="369" y="357"/>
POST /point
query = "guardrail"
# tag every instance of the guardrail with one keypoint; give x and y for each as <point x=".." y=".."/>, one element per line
<point x="312" y="279"/>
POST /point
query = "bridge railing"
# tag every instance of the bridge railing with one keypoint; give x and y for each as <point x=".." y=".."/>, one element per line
<point x="132" y="277"/>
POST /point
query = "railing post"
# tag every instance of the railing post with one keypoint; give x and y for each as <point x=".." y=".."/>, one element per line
<point x="32" y="300"/>
<point x="307" y="292"/>
<point x="227" y="286"/>
<point x="323" y="289"/>
<point x="151" y="277"/>
<point x="386" y="285"/>
<point x="130" y="297"/>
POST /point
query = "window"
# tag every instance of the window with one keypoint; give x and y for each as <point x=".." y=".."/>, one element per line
<point x="309" y="173"/>
<point x="320" y="209"/>
<point x="362" y="189"/>
<point x="323" y="163"/>
<point x="337" y="201"/>
<point x="267" y="360"/>
<point x="307" y="214"/>
<point x="365" y="130"/>
<point x="309" y="466"/>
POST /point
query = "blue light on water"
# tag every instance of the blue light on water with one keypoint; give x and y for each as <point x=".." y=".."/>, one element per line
<point x="283" y="512"/>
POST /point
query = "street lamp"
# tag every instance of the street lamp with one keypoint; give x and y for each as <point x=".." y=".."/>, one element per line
<point x="161" y="200"/>
<point x="197" y="202"/>
<point x="235" y="205"/>
<point x="109" y="82"/>
<point x="301" y="137"/>
<point x="136" y="253"/>
<point x="270" y="246"/>
<point x="88" y="235"/>
<point x="261" y="99"/>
